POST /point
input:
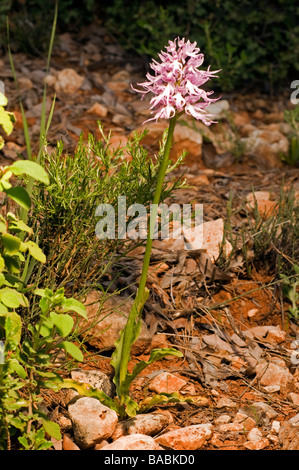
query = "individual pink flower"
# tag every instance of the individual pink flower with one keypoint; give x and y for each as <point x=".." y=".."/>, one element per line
<point x="177" y="81"/>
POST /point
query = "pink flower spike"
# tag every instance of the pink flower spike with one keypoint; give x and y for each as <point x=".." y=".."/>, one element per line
<point x="176" y="83"/>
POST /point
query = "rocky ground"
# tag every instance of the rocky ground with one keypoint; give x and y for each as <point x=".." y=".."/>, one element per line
<point x="240" y="364"/>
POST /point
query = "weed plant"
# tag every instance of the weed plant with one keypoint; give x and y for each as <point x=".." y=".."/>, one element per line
<point x="272" y="240"/>
<point x="276" y="238"/>
<point x="292" y="118"/>
<point x="266" y="244"/>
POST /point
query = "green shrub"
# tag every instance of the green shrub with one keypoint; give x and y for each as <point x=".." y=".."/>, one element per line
<point x="292" y="118"/>
<point x="253" y="43"/>
<point x="29" y="344"/>
<point x="31" y="21"/>
<point x="64" y="212"/>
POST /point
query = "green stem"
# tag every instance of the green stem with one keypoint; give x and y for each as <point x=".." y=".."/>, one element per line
<point x="154" y="212"/>
<point x="136" y="310"/>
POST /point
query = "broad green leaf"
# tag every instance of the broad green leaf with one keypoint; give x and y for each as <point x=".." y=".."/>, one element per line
<point x="3" y="227"/>
<point x="53" y="383"/>
<point x="4" y="180"/>
<point x="2" y="264"/>
<point x="30" y="168"/>
<point x="23" y="441"/>
<point x="7" y="120"/>
<point x="64" y="323"/>
<point x="87" y="390"/>
<point x="2" y="279"/>
<point x="3" y="309"/>
<point x="20" y="196"/>
<point x="17" y="368"/>
<point x="130" y="406"/>
<point x="12" y="298"/>
<point x="39" y="292"/>
<point x="12" y="263"/>
<point x="11" y="243"/>
<point x="156" y="355"/>
<point x="13" y="328"/>
<point x="52" y="429"/>
<point x="35" y="251"/>
<point x="18" y="423"/>
<point x="46" y="328"/>
<point x="72" y="350"/>
<point x="16" y="404"/>
<point x="74" y="306"/>
<point x="49" y="375"/>
<point x="44" y="305"/>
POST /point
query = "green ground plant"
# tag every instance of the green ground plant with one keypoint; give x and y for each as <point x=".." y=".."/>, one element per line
<point x="292" y="118"/>
<point x="290" y="289"/>
<point x="266" y="243"/>
<point x="65" y="211"/>
<point x="28" y="346"/>
<point x="7" y="119"/>
<point x="259" y="48"/>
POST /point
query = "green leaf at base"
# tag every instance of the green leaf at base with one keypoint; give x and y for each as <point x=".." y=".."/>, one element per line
<point x="156" y="355"/>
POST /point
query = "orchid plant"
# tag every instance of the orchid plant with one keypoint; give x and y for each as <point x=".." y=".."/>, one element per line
<point x="176" y="86"/>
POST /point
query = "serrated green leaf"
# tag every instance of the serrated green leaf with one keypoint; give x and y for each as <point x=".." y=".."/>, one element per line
<point x="30" y="168"/>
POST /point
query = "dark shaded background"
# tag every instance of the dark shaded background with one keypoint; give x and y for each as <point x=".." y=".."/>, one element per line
<point x="255" y="43"/>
